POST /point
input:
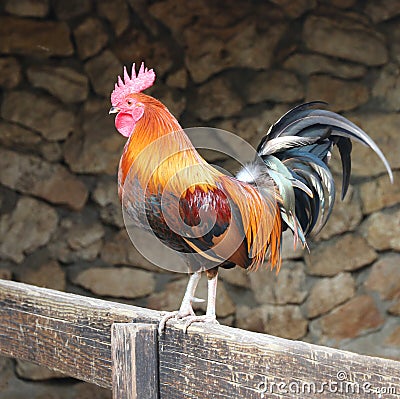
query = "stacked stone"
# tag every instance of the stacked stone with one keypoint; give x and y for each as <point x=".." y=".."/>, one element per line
<point x="235" y="68"/>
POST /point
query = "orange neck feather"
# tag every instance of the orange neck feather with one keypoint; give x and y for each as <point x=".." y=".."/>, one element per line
<point x="159" y="153"/>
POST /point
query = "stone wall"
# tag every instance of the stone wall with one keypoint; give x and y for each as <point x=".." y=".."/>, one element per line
<point x="222" y="64"/>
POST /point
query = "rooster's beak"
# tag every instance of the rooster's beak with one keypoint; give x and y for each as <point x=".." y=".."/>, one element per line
<point x="114" y="110"/>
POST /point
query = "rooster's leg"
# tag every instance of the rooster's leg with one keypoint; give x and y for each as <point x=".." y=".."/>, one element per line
<point x="210" y="316"/>
<point x="186" y="305"/>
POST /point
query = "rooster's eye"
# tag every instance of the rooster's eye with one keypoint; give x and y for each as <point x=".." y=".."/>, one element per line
<point x="129" y="101"/>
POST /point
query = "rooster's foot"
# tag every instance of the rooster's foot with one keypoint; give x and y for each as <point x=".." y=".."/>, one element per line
<point x="177" y="315"/>
<point x="186" y="309"/>
<point x="211" y="319"/>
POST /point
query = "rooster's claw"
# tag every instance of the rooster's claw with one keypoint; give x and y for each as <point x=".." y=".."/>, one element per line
<point x="199" y="319"/>
<point x="177" y="315"/>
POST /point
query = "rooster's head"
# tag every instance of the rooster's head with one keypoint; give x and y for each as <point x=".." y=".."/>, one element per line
<point x="125" y="100"/>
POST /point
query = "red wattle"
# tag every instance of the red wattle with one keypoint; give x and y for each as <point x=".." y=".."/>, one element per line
<point x="125" y="123"/>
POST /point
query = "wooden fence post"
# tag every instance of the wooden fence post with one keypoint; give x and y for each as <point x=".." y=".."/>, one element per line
<point x="134" y="352"/>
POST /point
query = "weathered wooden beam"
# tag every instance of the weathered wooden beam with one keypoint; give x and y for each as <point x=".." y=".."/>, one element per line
<point x="72" y="334"/>
<point x="134" y="351"/>
<point x="64" y="332"/>
<point x="226" y="363"/>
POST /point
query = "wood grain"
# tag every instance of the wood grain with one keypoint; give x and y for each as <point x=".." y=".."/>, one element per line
<point x="72" y="334"/>
<point x="134" y="351"/>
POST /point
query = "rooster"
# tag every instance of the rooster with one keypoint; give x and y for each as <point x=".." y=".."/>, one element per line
<point x="216" y="220"/>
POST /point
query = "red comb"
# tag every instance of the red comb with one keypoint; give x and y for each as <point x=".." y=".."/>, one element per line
<point x="132" y="84"/>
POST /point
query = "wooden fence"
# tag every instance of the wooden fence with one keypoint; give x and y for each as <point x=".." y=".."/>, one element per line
<point x="116" y="346"/>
